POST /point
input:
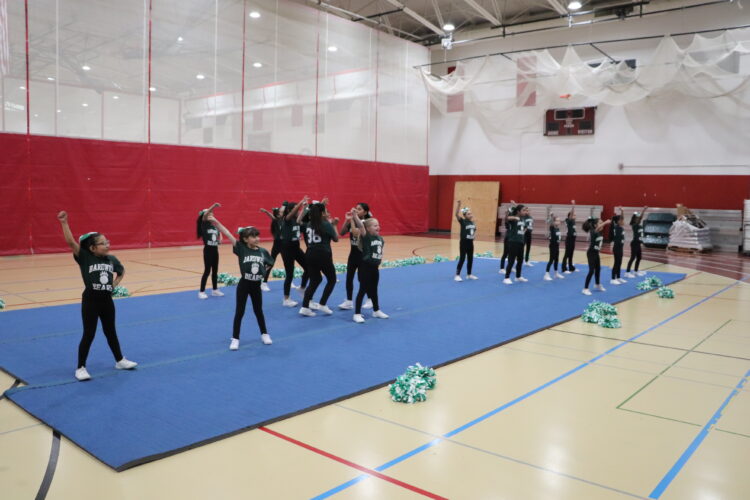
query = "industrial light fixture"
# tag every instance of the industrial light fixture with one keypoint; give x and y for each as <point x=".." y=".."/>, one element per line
<point x="200" y="76"/>
<point x="255" y="14"/>
<point x="575" y="5"/>
<point x="152" y="89"/>
<point x="257" y="65"/>
<point x="85" y="67"/>
<point x="448" y="27"/>
<point x="333" y="48"/>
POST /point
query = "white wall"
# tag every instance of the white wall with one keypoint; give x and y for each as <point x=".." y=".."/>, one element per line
<point x="670" y="135"/>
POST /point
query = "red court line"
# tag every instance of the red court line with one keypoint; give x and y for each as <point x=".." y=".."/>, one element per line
<point x="370" y="472"/>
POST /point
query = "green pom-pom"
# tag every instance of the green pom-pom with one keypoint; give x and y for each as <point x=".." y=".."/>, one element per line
<point x="424" y="372"/>
<point x="412" y="261"/>
<point x="340" y="268"/>
<point x="278" y="273"/>
<point x="610" y="322"/>
<point x="649" y="283"/>
<point x="228" y="279"/>
<point x="412" y="386"/>
<point x="2" y="304"/>
<point x="484" y="254"/>
<point x="602" y="314"/>
<point x="120" y="291"/>
<point x="591" y="317"/>
<point x="665" y="293"/>
<point x="440" y="258"/>
<point x="298" y="272"/>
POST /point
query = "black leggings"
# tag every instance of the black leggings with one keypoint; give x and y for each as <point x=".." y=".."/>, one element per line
<point x="616" y="267"/>
<point x="506" y="251"/>
<point x="466" y="249"/>
<point x="210" y="265"/>
<point x="527" y="244"/>
<point x="595" y="266"/>
<point x="554" y="256"/>
<point x="352" y="264"/>
<point x="515" y="253"/>
<point x="635" y="255"/>
<point x="319" y="261"/>
<point x="251" y="288"/>
<point x="369" y="276"/>
<point x="570" y="246"/>
<point x="97" y="305"/>
<point x="291" y="252"/>
<point x="275" y="251"/>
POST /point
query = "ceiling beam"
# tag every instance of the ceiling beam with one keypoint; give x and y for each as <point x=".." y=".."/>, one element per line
<point x="483" y="12"/>
<point x="498" y="12"/>
<point x="438" y="14"/>
<point x="558" y="7"/>
<point x="416" y="16"/>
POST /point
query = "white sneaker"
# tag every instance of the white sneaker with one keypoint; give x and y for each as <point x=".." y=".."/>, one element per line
<point x="82" y="374"/>
<point x="567" y="272"/>
<point x="202" y="295"/>
<point x="234" y="344"/>
<point x="457" y="278"/>
<point x="265" y="287"/>
<point x="614" y="282"/>
<point x="547" y="277"/>
<point x="380" y="314"/>
<point x="521" y="278"/>
<point x="507" y="281"/>
<point x="641" y="273"/>
<point x="577" y="271"/>
<point x="325" y="309"/>
<point x="559" y="276"/>
<point x="358" y="318"/>
<point x="266" y="339"/>
<point x="347" y="304"/>
<point x="289" y="303"/>
<point x="472" y="277"/>
<point x="629" y="275"/>
<point x="501" y="271"/>
<point x="295" y="286"/>
<point x="367" y="304"/>
<point x="125" y="364"/>
<point x="217" y="293"/>
<point x="305" y="311"/>
<point x="314" y="306"/>
<point x="621" y="280"/>
<point x="600" y="288"/>
<point x="586" y="291"/>
<point x="530" y="264"/>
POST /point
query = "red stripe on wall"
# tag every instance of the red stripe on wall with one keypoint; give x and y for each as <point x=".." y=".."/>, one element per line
<point x="717" y="192"/>
<point x="149" y="195"/>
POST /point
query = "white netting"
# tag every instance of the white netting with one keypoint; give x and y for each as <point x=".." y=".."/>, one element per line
<point x="507" y="93"/>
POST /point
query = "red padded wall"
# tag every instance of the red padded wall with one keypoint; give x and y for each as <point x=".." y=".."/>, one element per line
<point x="141" y="195"/>
<point x="721" y="192"/>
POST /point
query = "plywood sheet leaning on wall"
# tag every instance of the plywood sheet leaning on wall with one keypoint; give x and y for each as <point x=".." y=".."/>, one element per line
<point x="482" y="198"/>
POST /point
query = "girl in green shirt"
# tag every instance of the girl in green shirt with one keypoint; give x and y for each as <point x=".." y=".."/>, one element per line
<point x="594" y="226"/>
<point x="369" y="273"/>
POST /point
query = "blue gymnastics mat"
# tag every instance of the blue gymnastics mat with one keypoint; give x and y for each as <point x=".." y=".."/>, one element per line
<point x="189" y="389"/>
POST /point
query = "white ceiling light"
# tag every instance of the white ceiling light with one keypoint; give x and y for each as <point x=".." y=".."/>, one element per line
<point x="255" y="14"/>
<point x="179" y="39"/>
<point x="448" y="27"/>
<point x="85" y="105"/>
<point x="257" y="65"/>
<point x="333" y="48"/>
<point x="59" y="110"/>
<point x="152" y="89"/>
<point x="115" y="97"/>
<point x="50" y="78"/>
<point x="85" y="67"/>
<point x="200" y="76"/>
<point x="22" y="87"/>
<point x="574" y="5"/>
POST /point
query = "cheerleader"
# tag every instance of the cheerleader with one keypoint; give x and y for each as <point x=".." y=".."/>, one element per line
<point x="635" y="243"/>
<point x="528" y="224"/>
<point x="211" y="241"/>
<point x="319" y="258"/>
<point x="369" y="275"/>
<point x="466" y="246"/>
<point x="570" y="240"/>
<point x="290" y="249"/>
<point x="618" y="243"/>
<point x="255" y="262"/>
<point x="506" y="248"/>
<point x="516" y="231"/>
<point x="554" y="247"/>
<point x="594" y="227"/>
<point x="101" y="273"/>
<point x="355" y="254"/>
<point x="276" y="217"/>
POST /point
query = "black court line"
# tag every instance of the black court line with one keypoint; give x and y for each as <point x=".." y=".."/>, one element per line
<point x="651" y="345"/>
<point x="166" y="267"/>
<point x="54" y="454"/>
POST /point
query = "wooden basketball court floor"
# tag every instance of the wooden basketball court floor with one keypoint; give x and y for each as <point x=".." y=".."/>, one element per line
<point x="665" y="416"/>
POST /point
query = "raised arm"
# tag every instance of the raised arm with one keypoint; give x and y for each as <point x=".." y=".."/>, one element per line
<point x="601" y="225"/>
<point x="347" y="224"/>
<point x="293" y="213"/>
<point x="210" y="211"/>
<point x="69" y="239"/>
<point x="269" y="214"/>
<point x="223" y="230"/>
<point x="643" y="213"/>
<point x="301" y="212"/>
<point x="334" y="222"/>
<point x="572" y="207"/>
<point x="458" y="210"/>
<point x="357" y="221"/>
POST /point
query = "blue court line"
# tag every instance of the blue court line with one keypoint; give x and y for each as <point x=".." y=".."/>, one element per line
<point x="680" y="463"/>
<point x="477" y="420"/>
